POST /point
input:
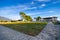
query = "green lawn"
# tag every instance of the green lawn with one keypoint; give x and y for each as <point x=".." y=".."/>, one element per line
<point x="32" y="29"/>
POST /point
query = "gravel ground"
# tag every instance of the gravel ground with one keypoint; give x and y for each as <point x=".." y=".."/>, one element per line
<point x="50" y="32"/>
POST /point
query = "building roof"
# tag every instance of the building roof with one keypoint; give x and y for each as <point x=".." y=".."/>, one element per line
<point x="49" y="17"/>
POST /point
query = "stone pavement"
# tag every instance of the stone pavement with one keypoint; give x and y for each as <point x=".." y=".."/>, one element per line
<point x="50" y="32"/>
<point x="9" y="34"/>
<point x="58" y="31"/>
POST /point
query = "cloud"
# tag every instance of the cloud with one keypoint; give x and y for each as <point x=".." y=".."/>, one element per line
<point x="12" y="12"/>
<point x="50" y="11"/>
<point x="33" y="8"/>
<point x="14" y="17"/>
<point x="32" y="2"/>
<point x="29" y="8"/>
<point x="36" y="13"/>
<point x="55" y="2"/>
<point x="42" y="5"/>
<point x="43" y="0"/>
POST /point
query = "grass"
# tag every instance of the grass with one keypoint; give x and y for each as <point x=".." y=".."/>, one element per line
<point x="31" y="28"/>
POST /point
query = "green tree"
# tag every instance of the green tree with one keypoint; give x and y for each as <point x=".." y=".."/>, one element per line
<point x="28" y="18"/>
<point x="38" y="18"/>
<point x="25" y="17"/>
<point x="22" y="15"/>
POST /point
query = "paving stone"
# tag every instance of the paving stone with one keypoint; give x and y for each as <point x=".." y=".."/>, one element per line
<point x="48" y="33"/>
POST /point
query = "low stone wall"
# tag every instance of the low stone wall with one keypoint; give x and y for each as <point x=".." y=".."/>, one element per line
<point x="50" y="32"/>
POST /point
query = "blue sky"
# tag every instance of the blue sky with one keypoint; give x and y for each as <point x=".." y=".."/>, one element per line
<point x="34" y="8"/>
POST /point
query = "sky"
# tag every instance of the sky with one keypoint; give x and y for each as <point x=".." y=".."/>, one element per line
<point x="43" y="8"/>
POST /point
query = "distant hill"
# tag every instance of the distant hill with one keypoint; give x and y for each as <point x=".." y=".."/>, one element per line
<point x="4" y="19"/>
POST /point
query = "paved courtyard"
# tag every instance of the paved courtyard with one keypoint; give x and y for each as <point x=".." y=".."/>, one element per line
<point x="50" y="32"/>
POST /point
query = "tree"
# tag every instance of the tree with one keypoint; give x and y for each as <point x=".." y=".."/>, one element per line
<point x="25" y="17"/>
<point x="22" y="15"/>
<point x="38" y="18"/>
<point x="28" y="18"/>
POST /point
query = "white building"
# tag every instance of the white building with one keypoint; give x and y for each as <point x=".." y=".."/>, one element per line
<point x="52" y="19"/>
